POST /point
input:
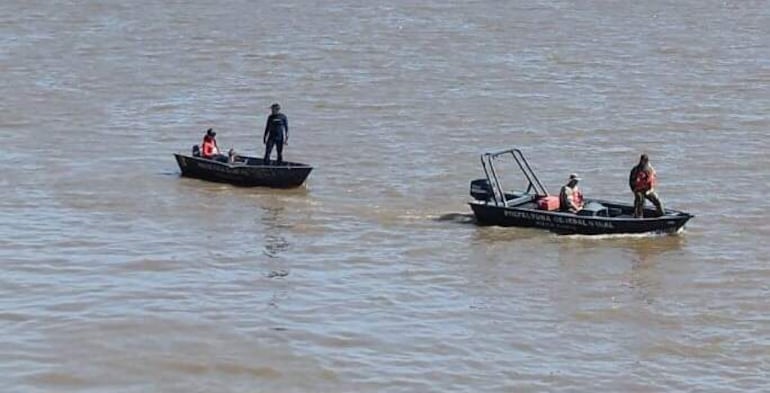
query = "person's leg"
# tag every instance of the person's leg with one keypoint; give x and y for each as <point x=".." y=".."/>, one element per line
<point x="279" y="149"/>
<point x="268" y="151"/>
<point x="638" y="204"/>
<point x="653" y="197"/>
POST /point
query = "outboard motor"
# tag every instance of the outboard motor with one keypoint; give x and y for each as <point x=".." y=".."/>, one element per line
<point x="196" y="151"/>
<point x="481" y="190"/>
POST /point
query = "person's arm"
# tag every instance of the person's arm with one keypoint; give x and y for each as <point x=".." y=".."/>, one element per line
<point x="653" y="177"/>
<point x="564" y="200"/>
<point x="286" y="128"/>
<point x="267" y="129"/>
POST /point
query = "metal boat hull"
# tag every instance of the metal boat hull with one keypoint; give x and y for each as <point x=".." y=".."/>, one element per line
<point x="570" y="223"/>
<point x="247" y="172"/>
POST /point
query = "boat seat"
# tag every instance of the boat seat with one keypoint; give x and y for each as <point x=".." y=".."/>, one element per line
<point x="594" y="209"/>
<point x="520" y="200"/>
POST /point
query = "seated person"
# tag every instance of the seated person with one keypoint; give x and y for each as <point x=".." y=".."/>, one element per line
<point x="232" y="156"/>
<point x="209" y="148"/>
<point x="570" y="197"/>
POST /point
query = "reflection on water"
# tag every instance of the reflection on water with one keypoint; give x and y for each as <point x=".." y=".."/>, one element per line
<point x="648" y="249"/>
<point x="648" y="255"/>
<point x="641" y="257"/>
<point x="275" y="244"/>
<point x="636" y="264"/>
<point x="273" y="228"/>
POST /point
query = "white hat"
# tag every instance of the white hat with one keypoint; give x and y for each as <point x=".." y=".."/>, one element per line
<point x="574" y="176"/>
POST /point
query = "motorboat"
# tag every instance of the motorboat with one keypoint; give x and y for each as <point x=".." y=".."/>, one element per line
<point x="533" y="206"/>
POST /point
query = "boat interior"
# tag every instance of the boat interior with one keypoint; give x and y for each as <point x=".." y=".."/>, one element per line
<point x="591" y="208"/>
<point x="238" y="160"/>
<point x="255" y="161"/>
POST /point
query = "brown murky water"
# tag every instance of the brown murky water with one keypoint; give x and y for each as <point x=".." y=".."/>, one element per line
<point x="120" y="276"/>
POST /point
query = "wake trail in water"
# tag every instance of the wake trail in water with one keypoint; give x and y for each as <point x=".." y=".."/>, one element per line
<point x="458" y="218"/>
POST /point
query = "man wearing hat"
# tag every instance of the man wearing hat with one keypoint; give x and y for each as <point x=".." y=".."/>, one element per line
<point x="276" y="133"/>
<point x="570" y="197"/>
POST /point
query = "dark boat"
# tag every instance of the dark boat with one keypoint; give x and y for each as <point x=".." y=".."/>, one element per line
<point x="494" y="206"/>
<point x="245" y="171"/>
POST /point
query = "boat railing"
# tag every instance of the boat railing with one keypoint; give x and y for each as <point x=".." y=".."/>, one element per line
<point x="498" y="191"/>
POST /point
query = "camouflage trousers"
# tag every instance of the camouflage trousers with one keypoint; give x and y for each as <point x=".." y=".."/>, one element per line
<point x="640" y="197"/>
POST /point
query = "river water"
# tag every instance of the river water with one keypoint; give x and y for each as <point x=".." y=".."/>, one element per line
<point x="120" y="276"/>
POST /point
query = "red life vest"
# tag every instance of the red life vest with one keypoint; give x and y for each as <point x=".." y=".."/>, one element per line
<point x="645" y="179"/>
<point x="209" y="148"/>
<point x="577" y="197"/>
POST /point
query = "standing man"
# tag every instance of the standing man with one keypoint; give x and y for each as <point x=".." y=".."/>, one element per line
<point x="276" y="133"/>
<point x="642" y="182"/>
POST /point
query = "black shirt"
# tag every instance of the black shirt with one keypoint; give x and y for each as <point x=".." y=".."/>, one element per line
<point x="277" y="127"/>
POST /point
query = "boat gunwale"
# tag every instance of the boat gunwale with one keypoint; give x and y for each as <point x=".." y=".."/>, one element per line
<point x="293" y="164"/>
<point x="678" y="214"/>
